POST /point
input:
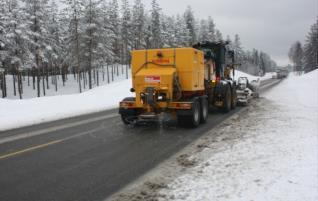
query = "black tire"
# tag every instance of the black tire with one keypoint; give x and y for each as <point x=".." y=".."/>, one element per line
<point x="204" y="110"/>
<point x="195" y="117"/>
<point x="192" y="120"/>
<point x="227" y="99"/>
<point x="128" y="116"/>
<point x="234" y="99"/>
<point x="128" y="119"/>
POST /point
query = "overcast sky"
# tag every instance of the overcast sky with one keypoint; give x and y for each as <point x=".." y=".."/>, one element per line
<point x="269" y="25"/>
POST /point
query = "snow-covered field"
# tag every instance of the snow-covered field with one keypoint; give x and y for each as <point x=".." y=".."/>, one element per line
<point x="66" y="103"/>
<point x="268" y="153"/>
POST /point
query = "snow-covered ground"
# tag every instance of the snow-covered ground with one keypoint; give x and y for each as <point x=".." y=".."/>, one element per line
<point x="270" y="152"/>
<point x="67" y="102"/>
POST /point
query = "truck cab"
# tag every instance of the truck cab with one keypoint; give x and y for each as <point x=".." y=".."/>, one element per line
<point x="219" y="65"/>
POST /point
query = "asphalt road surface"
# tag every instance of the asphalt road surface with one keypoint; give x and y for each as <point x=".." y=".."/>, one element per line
<point x="88" y="157"/>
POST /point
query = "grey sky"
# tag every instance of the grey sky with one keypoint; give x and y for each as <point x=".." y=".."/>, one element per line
<point x="269" y="25"/>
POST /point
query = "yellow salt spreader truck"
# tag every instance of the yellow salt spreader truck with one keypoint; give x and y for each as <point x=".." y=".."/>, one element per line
<point x="180" y="83"/>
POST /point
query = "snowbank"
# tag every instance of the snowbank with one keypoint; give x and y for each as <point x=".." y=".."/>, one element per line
<point x="19" y="113"/>
<point x="252" y="77"/>
<point x="269" y="152"/>
<point x="297" y="91"/>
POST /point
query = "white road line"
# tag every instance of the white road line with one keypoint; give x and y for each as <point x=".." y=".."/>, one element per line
<point x="54" y="128"/>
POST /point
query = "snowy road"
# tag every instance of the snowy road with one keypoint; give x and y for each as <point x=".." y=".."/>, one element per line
<point x="85" y="158"/>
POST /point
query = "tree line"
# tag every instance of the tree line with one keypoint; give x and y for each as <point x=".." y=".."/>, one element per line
<point x="305" y="57"/>
<point x="78" y="36"/>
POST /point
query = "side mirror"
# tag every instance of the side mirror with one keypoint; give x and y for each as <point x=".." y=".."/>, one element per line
<point x="132" y="90"/>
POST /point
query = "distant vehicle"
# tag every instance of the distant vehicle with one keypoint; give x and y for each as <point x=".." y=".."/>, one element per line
<point x="282" y="73"/>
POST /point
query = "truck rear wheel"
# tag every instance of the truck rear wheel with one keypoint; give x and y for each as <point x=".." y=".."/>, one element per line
<point x="227" y="99"/>
<point x="192" y="120"/>
<point x="204" y="110"/>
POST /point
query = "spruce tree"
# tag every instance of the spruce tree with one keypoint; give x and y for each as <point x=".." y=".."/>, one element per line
<point x="156" y="40"/>
<point x="114" y="25"/>
<point x="36" y="11"/>
<point x="237" y="47"/>
<point x="74" y="12"/>
<point x="183" y="36"/>
<point x="311" y="49"/>
<point x="218" y="36"/>
<point x="91" y="37"/>
<point x="191" y="25"/>
<point x="16" y="41"/>
<point x="138" y="24"/>
<point x="125" y="31"/>
<point x="211" y="30"/>
<point x="203" y="31"/>
<point x="296" y="56"/>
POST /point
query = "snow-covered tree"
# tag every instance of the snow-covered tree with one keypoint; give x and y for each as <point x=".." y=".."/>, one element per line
<point x="211" y="30"/>
<point x="203" y="31"/>
<point x="15" y="40"/>
<point x="148" y="32"/>
<point x="156" y="40"/>
<point x="237" y="47"/>
<point x="54" y="48"/>
<point x="138" y="24"/>
<point x="168" y="31"/>
<point x="3" y="24"/>
<point x="183" y="36"/>
<point x="218" y="36"/>
<point x="296" y="56"/>
<point x="108" y="34"/>
<point x="311" y="49"/>
<point x="114" y="25"/>
<point x="36" y="11"/>
<point x="92" y="38"/>
<point x="191" y="25"/>
<point x="126" y="33"/>
<point x="74" y="12"/>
